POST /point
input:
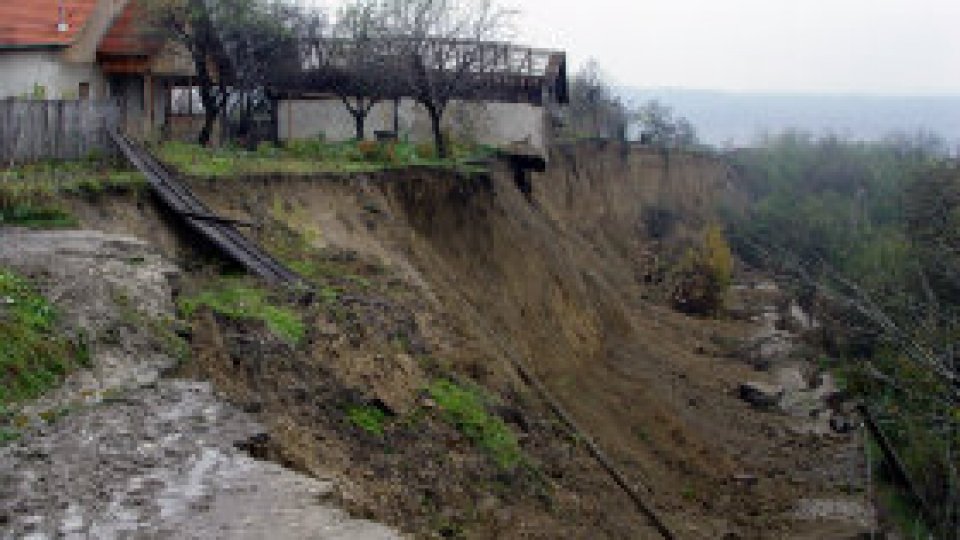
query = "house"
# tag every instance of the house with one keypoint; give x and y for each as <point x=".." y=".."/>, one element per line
<point x="100" y="50"/>
<point x="97" y="50"/>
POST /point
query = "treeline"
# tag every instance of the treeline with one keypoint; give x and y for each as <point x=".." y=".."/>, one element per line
<point x="870" y="232"/>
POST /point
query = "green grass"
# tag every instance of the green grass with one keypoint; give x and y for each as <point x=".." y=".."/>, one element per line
<point x="30" y="195"/>
<point x="80" y="177"/>
<point x="8" y="435"/>
<point x="312" y="156"/>
<point x="465" y="408"/>
<point x="369" y="418"/>
<point x="33" y="358"/>
<point x="235" y="299"/>
<point x="37" y="216"/>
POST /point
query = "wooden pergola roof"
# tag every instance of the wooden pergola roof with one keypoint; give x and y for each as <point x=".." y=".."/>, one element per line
<point x="501" y="71"/>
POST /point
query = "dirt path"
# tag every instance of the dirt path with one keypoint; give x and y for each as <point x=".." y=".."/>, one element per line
<point x="118" y="451"/>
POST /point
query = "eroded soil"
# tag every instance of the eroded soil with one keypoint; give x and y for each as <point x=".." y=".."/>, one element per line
<point x="448" y="278"/>
<point x="120" y="452"/>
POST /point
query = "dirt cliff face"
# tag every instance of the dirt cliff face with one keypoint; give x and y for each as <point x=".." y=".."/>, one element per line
<point x="450" y="277"/>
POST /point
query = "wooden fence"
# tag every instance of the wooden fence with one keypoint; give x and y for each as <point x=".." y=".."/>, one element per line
<point x="32" y="130"/>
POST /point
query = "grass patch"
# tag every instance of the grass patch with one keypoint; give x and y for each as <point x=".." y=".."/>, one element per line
<point x="33" y="358"/>
<point x="42" y="216"/>
<point x="81" y="177"/>
<point x="236" y="299"/>
<point x="465" y="408"/>
<point x="8" y="435"/>
<point x="313" y="156"/>
<point x="30" y="194"/>
<point x="369" y="418"/>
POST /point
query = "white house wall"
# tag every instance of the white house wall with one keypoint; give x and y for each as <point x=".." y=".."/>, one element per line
<point x="495" y="124"/>
<point x="21" y="70"/>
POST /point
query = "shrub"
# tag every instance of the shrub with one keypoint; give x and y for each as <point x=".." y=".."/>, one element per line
<point x="32" y="206"/>
<point x="368" y="418"/>
<point x="369" y="150"/>
<point x="426" y="151"/>
<point x="704" y="274"/>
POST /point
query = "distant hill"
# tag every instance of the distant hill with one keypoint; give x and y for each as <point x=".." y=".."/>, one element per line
<point x="727" y="118"/>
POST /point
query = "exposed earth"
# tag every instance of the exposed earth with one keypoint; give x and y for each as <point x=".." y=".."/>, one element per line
<point x="725" y="427"/>
<point x="118" y="452"/>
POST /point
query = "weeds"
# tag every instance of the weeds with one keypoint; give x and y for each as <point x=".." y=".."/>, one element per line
<point x="704" y="275"/>
<point x="310" y="157"/>
<point x="8" y="435"/>
<point x="234" y="299"/>
<point x="32" y="206"/>
<point x="29" y="194"/>
<point x="465" y="409"/>
<point x="369" y="418"/>
<point x="32" y="357"/>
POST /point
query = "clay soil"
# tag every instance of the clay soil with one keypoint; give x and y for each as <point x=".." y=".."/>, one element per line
<point x="447" y="277"/>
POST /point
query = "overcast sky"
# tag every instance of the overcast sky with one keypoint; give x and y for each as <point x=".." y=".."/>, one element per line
<point x="896" y="47"/>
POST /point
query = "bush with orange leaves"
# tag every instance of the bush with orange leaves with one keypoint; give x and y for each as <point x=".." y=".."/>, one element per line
<point x="703" y="275"/>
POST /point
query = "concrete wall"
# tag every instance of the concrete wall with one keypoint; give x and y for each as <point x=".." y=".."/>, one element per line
<point x="22" y="69"/>
<point x="309" y="119"/>
<point x="495" y="124"/>
<point x="498" y="123"/>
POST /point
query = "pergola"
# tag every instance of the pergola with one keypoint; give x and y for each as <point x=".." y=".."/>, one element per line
<point x="484" y="70"/>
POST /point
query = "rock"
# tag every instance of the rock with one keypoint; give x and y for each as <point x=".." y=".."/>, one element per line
<point x="761" y="395"/>
<point x="772" y="348"/>
<point x="513" y="415"/>
<point x="745" y="479"/>
<point x="799" y="320"/>
<point x="841" y="424"/>
<point x="767" y="286"/>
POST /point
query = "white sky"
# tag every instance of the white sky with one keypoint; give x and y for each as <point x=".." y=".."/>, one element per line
<point x="895" y="47"/>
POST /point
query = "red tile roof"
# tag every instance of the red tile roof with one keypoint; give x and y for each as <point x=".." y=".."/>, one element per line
<point x="34" y="22"/>
<point x="129" y="36"/>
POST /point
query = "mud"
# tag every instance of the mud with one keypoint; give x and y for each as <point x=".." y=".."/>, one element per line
<point x="119" y="451"/>
<point x="563" y="281"/>
<point x="456" y="275"/>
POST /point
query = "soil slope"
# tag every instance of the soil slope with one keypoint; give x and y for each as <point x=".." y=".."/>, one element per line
<point x="445" y="277"/>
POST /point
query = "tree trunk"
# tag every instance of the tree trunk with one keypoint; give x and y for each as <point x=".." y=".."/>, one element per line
<point x="396" y="118"/>
<point x="436" y="115"/>
<point x="275" y="120"/>
<point x="209" y="117"/>
<point x="360" y="118"/>
<point x="211" y="107"/>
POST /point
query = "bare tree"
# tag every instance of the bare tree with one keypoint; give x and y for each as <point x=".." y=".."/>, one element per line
<point x="353" y="62"/>
<point x="441" y="48"/>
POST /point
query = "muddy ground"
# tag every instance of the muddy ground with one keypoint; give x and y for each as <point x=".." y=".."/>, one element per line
<point x="440" y="276"/>
<point x="122" y="451"/>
